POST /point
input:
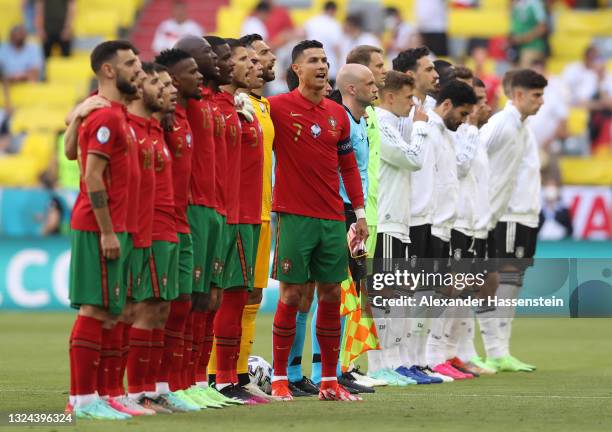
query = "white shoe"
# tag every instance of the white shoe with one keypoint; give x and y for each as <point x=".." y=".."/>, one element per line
<point x="133" y="405"/>
<point x="444" y="378"/>
<point x="365" y="380"/>
<point x="256" y="391"/>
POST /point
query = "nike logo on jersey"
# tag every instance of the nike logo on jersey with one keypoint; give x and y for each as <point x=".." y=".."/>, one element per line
<point x="176" y="128"/>
<point x="227" y="117"/>
<point x="141" y="141"/>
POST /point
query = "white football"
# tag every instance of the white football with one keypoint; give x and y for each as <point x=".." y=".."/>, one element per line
<point x="260" y="373"/>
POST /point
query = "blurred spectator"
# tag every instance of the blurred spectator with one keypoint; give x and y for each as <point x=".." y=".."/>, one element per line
<point x="479" y="56"/>
<point x="432" y="22"/>
<point x="20" y="60"/>
<point x="355" y="35"/>
<point x="172" y="29"/>
<point x="555" y="218"/>
<point x="279" y="25"/>
<point x="549" y="125"/>
<point x="326" y="29"/>
<point x="402" y="35"/>
<point x="528" y="27"/>
<point x="56" y="209"/>
<point x="29" y="15"/>
<point x="54" y="24"/>
<point x="591" y="88"/>
<point x="5" y="114"/>
<point x="255" y="23"/>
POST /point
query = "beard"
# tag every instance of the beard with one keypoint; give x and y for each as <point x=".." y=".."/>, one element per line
<point x="269" y="75"/>
<point x="151" y="103"/>
<point x="126" y="87"/>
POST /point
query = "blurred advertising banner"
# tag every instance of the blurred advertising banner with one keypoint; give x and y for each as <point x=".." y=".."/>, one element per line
<point x="591" y="210"/>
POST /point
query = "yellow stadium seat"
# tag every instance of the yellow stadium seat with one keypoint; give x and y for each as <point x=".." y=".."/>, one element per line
<point x="42" y="94"/>
<point x="18" y="171"/>
<point x="569" y="47"/>
<point x="406" y="8"/>
<point x="229" y="21"/>
<point x="38" y="118"/>
<point x="247" y="5"/>
<point x="495" y="4"/>
<point x="556" y="66"/>
<point x="68" y="69"/>
<point x="578" y="121"/>
<point x="126" y="9"/>
<point x="101" y="23"/>
<point x="300" y="16"/>
<point x="585" y="23"/>
<point x="586" y="171"/>
<point x="478" y="23"/>
<point x="40" y="147"/>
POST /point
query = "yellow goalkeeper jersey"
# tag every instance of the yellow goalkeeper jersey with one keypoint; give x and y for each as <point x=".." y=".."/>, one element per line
<point x="262" y="111"/>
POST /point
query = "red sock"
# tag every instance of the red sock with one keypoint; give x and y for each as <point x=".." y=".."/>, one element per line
<point x="125" y="350"/>
<point x="138" y="358"/>
<point x="114" y="364"/>
<point x="86" y="345"/>
<point x="199" y="323"/>
<point x="103" y="368"/>
<point x="185" y="377"/>
<point x="283" y="332"/>
<point x="328" y="336"/>
<point x="172" y="360"/>
<point x="72" y="364"/>
<point x="228" y="322"/>
<point x="157" y="351"/>
<point x="209" y="337"/>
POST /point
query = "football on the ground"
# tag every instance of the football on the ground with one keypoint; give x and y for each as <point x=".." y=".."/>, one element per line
<point x="260" y="373"/>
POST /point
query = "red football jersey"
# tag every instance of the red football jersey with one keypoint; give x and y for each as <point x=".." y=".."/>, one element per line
<point x="199" y="114"/>
<point x="105" y="133"/>
<point x="233" y="134"/>
<point x="142" y="129"/>
<point x="220" y="155"/>
<point x="164" y="219"/>
<point x="134" y="184"/>
<point x="251" y="171"/>
<point x="311" y="142"/>
<point x="180" y="143"/>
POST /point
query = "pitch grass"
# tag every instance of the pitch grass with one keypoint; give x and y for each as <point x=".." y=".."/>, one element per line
<point x="572" y="389"/>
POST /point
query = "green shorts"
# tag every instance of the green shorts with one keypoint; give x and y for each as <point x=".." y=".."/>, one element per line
<point x="185" y="264"/>
<point x="206" y="233"/>
<point x="160" y="277"/>
<point x="128" y="277"/>
<point x="239" y="268"/>
<point x="95" y="280"/>
<point x="309" y="249"/>
<point x="139" y="271"/>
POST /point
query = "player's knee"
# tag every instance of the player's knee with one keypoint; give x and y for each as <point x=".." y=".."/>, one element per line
<point x="255" y="296"/>
<point x="329" y="292"/>
<point x="291" y="295"/>
<point x="92" y="311"/>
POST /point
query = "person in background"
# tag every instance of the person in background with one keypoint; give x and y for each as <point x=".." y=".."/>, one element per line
<point x="401" y="34"/>
<point x="355" y="35"/>
<point x="172" y="29"/>
<point x="432" y="22"/>
<point x="5" y="115"/>
<point x="555" y="217"/>
<point x="20" y="60"/>
<point x="479" y="54"/>
<point x="326" y="29"/>
<point x="279" y="25"/>
<point x="54" y="21"/>
<point x="56" y="210"/>
<point x="254" y="23"/>
<point x="528" y="27"/>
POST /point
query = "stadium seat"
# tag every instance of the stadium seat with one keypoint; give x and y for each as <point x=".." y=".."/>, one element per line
<point x="495" y="4"/>
<point x="300" y="16"/>
<point x="40" y="148"/>
<point x="69" y="69"/>
<point x="228" y="19"/>
<point x="478" y="23"/>
<point x="38" y="118"/>
<point x="10" y="16"/>
<point x="586" y="171"/>
<point x="578" y="121"/>
<point x="569" y="47"/>
<point x="42" y="94"/>
<point x="585" y="23"/>
<point x="556" y="66"/>
<point x="18" y="171"/>
<point x="101" y="23"/>
<point x="126" y="9"/>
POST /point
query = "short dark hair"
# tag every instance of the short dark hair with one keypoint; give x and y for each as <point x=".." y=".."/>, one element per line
<point x="262" y="6"/>
<point x="362" y="54"/>
<point x="392" y="10"/>
<point x="408" y="59"/>
<point x="160" y="68"/>
<point x="464" y="73"/>
<point x="355" y="19"/>
<point x="477" y="82"/>
<point x="215" y="41"/>
<point x="330" y="5"/>
<point x="528" y="79"/>
<point x="105" y="51"/>
<point x="458" y="92"/>
<point x="248" y="40"/>
<point x="395" y="81"/>
<point x="292" y="79"/>
<point x="446" y="71"/>
<point x="148" y="68"/>
<point x="507" y="81"/>
<point x="234" y="43"/>
<point x="303" y="46"/>
<point x="171" y="57"/>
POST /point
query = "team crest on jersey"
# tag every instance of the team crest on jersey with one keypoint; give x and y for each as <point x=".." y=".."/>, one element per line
<point x="520" y="252"/>
<point x="217" y="267"/>
<point x="286" y="265"/>
<point x="103" y="135"/>
<point x="116" y="289"/>
<point x="332" y="122"/>
<point x="188" y="139"/>
<point x="197" y="273"/>
<point x="164" y="280"/>
<point x="315" y="130"/>
<point x="457" y="254"/>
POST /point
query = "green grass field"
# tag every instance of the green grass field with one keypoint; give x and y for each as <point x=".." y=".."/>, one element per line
<point x="572" y="389"/>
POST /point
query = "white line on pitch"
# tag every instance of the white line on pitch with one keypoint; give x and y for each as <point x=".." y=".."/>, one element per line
<point x="502" y="396"/>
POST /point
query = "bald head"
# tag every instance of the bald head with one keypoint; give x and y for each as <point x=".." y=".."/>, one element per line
<point x="356" y="84"/>
<point x="201" y="51"/>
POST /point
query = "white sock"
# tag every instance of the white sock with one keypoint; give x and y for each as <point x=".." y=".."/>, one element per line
<point x="151" y="395"/>
<point x="395" y="334"/>
<point x="82" y="400"/>
<point x="406" y="347"/>
<point x="465" y="348"/>
<point x="203" y="384"/>
<point x="135" y="396"/>
<point x="375" y="361"/>
<point x="421" y="334"/>
<point x="506" y="291"/>
<point x="376" y="358"/>
<point x="452" y="333"/>
<point x="72" y="399"/>
<point x="222" y="386"/>
<point x="489" y="330"/>
<point x="162" y="388"/>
